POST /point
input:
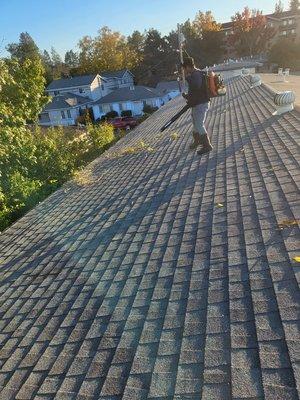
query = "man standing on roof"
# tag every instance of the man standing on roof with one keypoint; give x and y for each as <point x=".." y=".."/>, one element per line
<point x="198" y="99"/>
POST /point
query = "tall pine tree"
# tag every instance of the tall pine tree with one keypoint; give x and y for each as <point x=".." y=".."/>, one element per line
<point x="295" y="5"/>
<point x="278" y="7"/>
<point x="25" y="49"/>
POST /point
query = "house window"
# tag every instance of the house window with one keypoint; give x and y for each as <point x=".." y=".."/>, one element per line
<point x="100" y="108"/>
<point x="121" y="106"/>
<point x="106" y="108"/>
<point x="56" y="92"/>
<point x="285" y="22"/>
<point x="63" y="114"/>
<point x="291" y="22"/>
<point x="102" y="87"/>
<point x="293" y="31"/>
<point x="284" y="33"/>
<point x="69" y="114"/>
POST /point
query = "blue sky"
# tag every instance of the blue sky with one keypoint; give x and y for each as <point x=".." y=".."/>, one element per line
<point x="61" y="23"/>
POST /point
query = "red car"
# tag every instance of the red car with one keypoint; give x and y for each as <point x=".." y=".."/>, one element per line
<point x="123" y="122"/>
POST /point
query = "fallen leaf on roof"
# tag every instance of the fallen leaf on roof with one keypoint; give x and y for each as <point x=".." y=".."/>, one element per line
<point x="297" y="259"/>
<point x="139" y="147"/>
<point x="220" y="205"/>
<point x="174" y="136"/>
<point x="288" y="223"/>
<point x="83" y="177"/>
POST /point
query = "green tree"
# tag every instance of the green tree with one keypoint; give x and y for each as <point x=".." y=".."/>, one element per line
<point x="59" y="69"/>
<point x="22" y="93"/>
<point x="136" y="42"/>
<point x="154" y="58"/>
<point x="285" y="53"/>
<point x="71" y="59"/>
<point x="24" y="49"/>
<point x="208" y="38"/>
<point x="294" y="5"/>
<point x="279" y="7"/>
<point x="48" y="66"/>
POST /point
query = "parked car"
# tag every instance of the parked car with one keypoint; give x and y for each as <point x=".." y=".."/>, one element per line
<point x="123" y="122"/>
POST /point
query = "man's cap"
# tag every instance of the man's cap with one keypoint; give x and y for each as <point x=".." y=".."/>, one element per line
<point x="188" y="62"/>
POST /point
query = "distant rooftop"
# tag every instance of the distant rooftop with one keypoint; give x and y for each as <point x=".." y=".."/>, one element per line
<point x="127" y="94"/>
<point x="66" y="100"/>
<point x="114" y="74"/>
<point x="74" y="81"/>
<point x="166" y="86"/>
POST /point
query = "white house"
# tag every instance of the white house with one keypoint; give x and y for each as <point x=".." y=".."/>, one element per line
<point x="70" y="95"/>
<point x="117" y="79"/>
<point x="64" y="109"/>
<point x="132" y="98"/>
<point x="92" y="86"/>
<point x="169" y="89"/>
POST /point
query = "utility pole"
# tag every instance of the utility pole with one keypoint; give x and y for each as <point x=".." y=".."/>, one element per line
<point x="181" y="40"/>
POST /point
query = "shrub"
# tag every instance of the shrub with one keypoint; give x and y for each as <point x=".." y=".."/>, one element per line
<point x="285" y="53"/>
<point x="33" y="163"/>
<point x="111" y="114"/>
<point x="149" y="109"/>
<point x="126" y="113"/>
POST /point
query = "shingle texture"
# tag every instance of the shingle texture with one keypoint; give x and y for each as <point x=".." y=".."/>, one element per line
<point x="75" y="81"/>
<point x="114" y="74"/>
<point x="128" y="94"/>
<point x="66" y="100"/>
<point x="167" y="277"/>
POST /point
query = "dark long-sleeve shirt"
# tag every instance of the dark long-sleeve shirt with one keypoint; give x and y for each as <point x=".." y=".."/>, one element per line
<point x="197" y="93"/>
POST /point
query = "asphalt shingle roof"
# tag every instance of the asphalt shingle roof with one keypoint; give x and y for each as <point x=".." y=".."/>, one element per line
<point x="236" y="65"/>
<point x="166" y="86"/>
<point x="114" y="74"/>
<point x="75" y="81"/>
<point x="66" y="100"/>
<point x="167" y="277"/>
<point x="127" y="94"/>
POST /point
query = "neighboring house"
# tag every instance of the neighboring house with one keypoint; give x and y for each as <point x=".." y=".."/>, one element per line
<point x="169" y="89"/>
<point x="92" y="86"/>
<point x="63" y="109"/>
<point x="118" y="79"/>
<point x="133" y="98"/>
<point x="285" y="24"/>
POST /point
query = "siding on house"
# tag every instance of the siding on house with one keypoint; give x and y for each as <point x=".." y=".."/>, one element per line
<point x="128" y="99"/>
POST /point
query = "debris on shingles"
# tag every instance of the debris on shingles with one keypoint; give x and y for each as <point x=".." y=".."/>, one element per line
<point x="220" y="205"/>
<point x="138" y="148"/>
<point x="174" y="136"/>
<point x="288" y="223"/>
<point x="83" y="177"/>
<point x="297" y="259"/>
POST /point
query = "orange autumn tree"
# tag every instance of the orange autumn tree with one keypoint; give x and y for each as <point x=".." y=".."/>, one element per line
<point x="251" y="32"/>
<point x="108" y="51"/>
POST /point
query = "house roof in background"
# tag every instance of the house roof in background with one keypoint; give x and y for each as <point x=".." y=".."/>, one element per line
<point x="66" y="100"/>
<point x="74" y="81"/>
<point x="235" y="65"/>
<point x="126" y="94"/>
<point x="166" y="86"/>
<point x="115" y="74"/>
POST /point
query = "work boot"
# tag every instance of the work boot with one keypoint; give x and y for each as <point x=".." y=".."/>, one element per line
<point x="196" y="141"/>
<point x="207" y="147"/>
